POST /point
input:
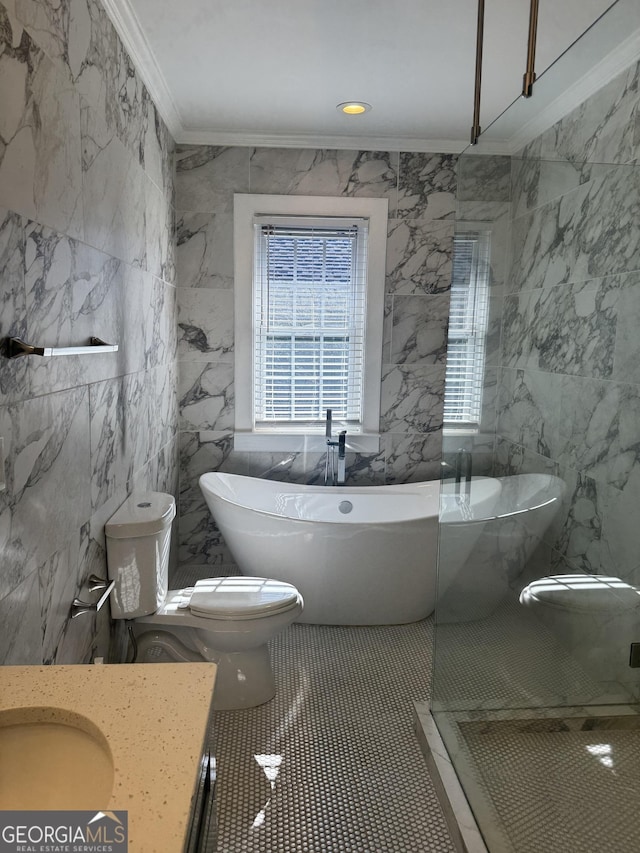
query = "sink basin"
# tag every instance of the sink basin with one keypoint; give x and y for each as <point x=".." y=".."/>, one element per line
<point x="52" y="758"/>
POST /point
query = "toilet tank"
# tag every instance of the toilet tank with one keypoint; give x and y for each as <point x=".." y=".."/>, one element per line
<point x="138" y="540"/>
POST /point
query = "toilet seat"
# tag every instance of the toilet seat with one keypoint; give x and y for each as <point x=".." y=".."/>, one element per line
<point x="242" y="597"/>
<point x="582" y="592"/>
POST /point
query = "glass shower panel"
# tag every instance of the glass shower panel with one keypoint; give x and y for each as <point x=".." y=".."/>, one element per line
<point x="535" y="674"/>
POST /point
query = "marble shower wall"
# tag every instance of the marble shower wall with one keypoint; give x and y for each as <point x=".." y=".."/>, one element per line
<point x="421" y="190"/>
<point x="569" y="392"/>
<point x="86" y="248"/>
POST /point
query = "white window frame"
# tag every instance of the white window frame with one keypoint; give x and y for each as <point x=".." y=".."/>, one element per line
<point x="480" y="283"/>
<point x="309" y="439"/>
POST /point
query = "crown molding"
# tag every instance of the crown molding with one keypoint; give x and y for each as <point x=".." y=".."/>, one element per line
<point x="320" y="140"/>
<point x="130" y="31"/>
<point x="596" y="78"/>
<point x="128" y="27"/>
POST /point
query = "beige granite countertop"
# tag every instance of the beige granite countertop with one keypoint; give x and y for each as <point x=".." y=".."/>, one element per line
<point x="154" y="717"/>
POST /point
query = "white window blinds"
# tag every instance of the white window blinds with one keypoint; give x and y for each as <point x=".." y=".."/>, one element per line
<point x="467" y="329"/>
<point x="309" y="319"/>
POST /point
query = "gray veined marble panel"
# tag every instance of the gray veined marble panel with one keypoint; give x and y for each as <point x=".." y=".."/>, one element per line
<point x="576" y="531"/>
<point x="201" y="542"/>
<point x="537" y="182"/>
<point x="545" y="242"/>
<point x="21" y="637"/>
<point x="626" y="358"/>
<point x="412" y="398"/>
<point x="511" y="458"/>
<point x="70" y="641"/>
<point x="324" y="172"/>
<point x="486" y="212"/>
<point x="200" y="539"/>
<point x="419" y="329"/>
<point x="205" y="324"/>
<point x="207" y="396"/>
<point x="137" y="295"/>
<point x="620" y="545"/>
<point x="129" y="102"/>
<point x="162" y="311"/>
<point x="40" y="154"/>
<point x="164" y="407"/>
<point x="13" y="307"/>
<point x="484" y="178"/>
<point x="427" y="186"/>
<point x="162" y="472"/>
<point x="73" y="292"/>
<point x="600" y="130"/>
<point x="412" y="458"/>
<point x="565" y="329"/>
<point x="58" y="585"/>
<point x="201" y="452"/>
<point x="106" y="77"/>
<point x="529" y="410"/>
<point x="157" y="149"/>
<point x="124" y="415"/>
<point x="207" y="176"/>
<point x="61" y="29"/>
<point x="114" y="193"/>
<point x="159" y="232"/>
<point x="419" y="256"/>
<point x="48" y="478"/>
<point x="488" y="407"/>
<point x="205" y="250"/>
<point x="493" y="338"/>
<point x="599" y="424"/>
<point x="589" y="232"/>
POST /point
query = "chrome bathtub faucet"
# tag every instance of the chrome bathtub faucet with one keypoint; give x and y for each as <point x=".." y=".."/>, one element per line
<point x="334" y="475"/>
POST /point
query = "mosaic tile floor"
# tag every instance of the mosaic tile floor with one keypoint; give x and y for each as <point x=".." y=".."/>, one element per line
<point x="331" y="764"/>
<point x="510" y="660"/>
<point x="559" y="791"/>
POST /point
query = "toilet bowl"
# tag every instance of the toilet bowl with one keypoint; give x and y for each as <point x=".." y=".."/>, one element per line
<point x="227" y="620"/>
<point x="595" y="617"/>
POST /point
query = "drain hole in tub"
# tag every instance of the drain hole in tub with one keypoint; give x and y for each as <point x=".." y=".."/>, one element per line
<point x="345" y="507"/>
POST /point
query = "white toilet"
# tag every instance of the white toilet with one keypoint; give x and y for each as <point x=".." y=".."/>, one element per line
<point x="226" y="620"/>
<point x="595" y="617"/>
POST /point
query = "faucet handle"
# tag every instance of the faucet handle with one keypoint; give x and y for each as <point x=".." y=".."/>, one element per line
<point x="342" y="443"/>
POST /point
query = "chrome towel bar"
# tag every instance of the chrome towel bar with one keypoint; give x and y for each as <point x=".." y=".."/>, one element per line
<point x="17" y="347"/>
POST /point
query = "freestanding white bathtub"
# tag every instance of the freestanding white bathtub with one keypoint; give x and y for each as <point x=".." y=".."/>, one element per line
<point x="362" y="555"/>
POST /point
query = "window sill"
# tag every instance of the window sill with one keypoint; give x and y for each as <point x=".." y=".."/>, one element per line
<point x="302" y="442"/>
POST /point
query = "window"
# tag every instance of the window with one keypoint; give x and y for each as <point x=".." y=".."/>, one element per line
<point x="309" y="306"/>
<point x="467" y="330"/>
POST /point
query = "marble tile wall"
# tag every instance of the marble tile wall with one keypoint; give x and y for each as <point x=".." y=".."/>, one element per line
<point x="569" y="391"/>
<point x="86" y="248"/>
<point x="421" y="189"/>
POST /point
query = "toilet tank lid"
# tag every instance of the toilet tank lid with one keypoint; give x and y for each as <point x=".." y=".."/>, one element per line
<point x="590" y="593"/>
<point x="142" y="514"/>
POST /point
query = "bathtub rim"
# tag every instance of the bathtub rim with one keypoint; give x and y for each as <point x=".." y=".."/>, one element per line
<point x="304" y="488"/>
<point x="513" y="513"/>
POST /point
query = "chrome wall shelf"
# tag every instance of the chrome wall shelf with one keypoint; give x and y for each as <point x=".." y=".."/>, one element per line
<point x="17" y="347"/>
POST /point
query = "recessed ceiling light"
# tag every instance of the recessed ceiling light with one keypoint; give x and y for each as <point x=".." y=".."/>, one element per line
<point x="353" y="108"/>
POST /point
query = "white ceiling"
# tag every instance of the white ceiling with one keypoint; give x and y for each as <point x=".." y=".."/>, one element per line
<point x="250" y="72"/>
